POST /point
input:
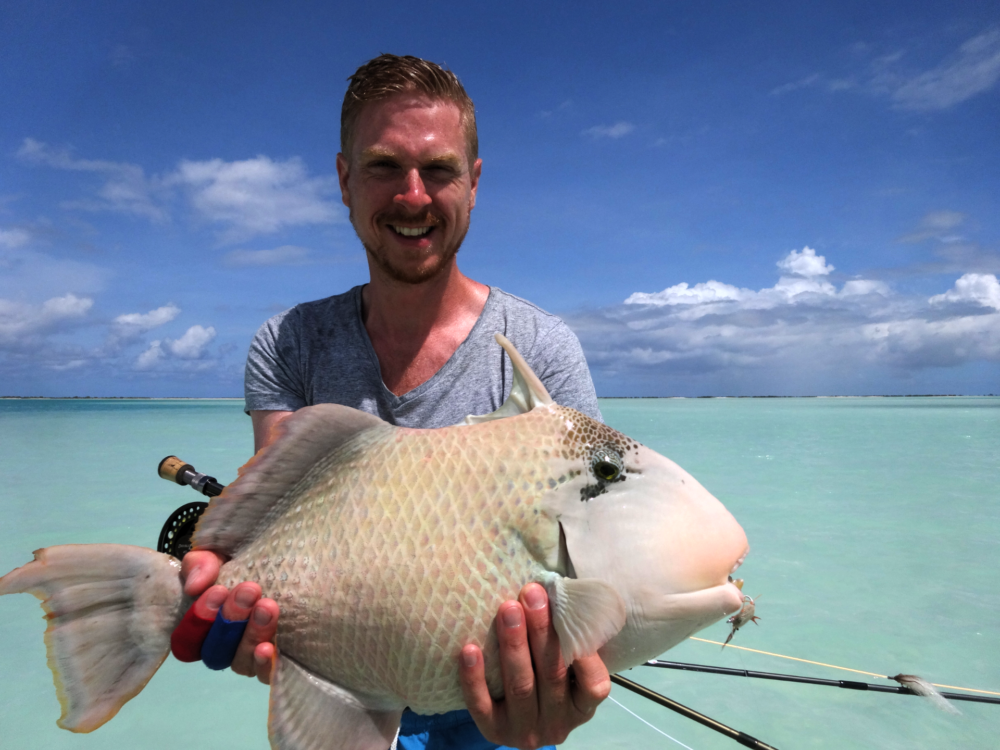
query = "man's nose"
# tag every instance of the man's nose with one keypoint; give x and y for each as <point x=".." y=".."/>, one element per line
<point x="414" y="195"/>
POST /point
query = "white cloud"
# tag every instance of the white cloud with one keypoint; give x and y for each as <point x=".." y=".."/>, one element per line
<point x="979" y="288"/>
<point x="802" y="83"/>
<point x="257" y="196"/>
<point x="716" y="337"/>
<point x="939" y="225"/>
<point x="805" y="263"/>
<point x="23" y="325"/>
<point x="286" y="255"/>
<point x="804" y="266"/>
<point x="192" y="344"/>
<point x="126" y="189"/>
<point x="618" y="130"/>
<point x="128" y="327"/>
<point x="11" y="238"/>
<point x="682" y="294"/>
<point x="149" y="358"/>
<point x="975" y="68"/>
<point x="189" y="348"/>
<point x="248" y="197"/>
<point x="972" y="69"/>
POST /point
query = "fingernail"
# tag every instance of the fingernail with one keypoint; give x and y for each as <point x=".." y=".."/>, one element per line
<point x="261" y="616"/>
<point x="215" y="598"/>
<point x="512" y="617"/>
<point x="469" y="657"/>
<point x="193" y="573"/>
<point x="246" y="597"/>
<point x="535" y="597"/>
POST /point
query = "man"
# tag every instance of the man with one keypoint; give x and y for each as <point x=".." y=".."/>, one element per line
<point x="415" y="346"/>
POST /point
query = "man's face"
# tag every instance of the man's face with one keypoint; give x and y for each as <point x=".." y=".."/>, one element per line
<point x="409" y="184"/>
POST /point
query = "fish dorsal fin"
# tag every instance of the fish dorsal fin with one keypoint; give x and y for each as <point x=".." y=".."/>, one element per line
<point x="258" y="495"/>
<point x="526" y="392"/>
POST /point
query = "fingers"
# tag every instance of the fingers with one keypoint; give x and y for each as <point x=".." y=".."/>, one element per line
<point x="263" y="660"/>
<point x="209" y="603"/>
<point x="261" y="628"/>
<point x="550" y="669"/>
<point x="476" y="693"/>
<point x="520" y="697"/>
<point x="593" y="685"/>
<point x="200" y="569"/>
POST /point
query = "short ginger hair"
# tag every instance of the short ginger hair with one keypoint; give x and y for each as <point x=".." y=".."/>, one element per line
<point x="386" y="75"/>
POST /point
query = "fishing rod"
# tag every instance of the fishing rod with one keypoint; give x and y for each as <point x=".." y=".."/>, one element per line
<point x="848" y="684"/>
<point x="734" y="734"/>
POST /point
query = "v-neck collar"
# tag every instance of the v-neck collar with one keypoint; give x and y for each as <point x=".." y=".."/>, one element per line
<point x="432" y="382"/>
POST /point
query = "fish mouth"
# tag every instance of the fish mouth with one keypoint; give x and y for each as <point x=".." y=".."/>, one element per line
<point x="738" y="582"/>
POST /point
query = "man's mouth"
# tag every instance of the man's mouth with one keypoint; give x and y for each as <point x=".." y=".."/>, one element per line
<point x="410" y="231"/>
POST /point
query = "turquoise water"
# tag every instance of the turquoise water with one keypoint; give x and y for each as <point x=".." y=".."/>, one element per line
<point x="874" y="526"/>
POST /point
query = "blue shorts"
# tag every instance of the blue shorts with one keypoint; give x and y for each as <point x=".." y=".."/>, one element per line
<point x="454" y="730"/>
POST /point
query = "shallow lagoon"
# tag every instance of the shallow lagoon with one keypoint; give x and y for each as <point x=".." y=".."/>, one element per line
<point x="874" y="525"/>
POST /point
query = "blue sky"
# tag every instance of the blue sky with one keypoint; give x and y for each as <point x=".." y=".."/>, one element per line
<point x="720" y="198"/>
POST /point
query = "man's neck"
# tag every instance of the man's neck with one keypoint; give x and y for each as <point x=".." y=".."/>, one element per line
<point x="415" y="328"/>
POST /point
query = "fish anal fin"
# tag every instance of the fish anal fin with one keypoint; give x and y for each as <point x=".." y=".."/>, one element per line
<point x="306" y="437"/>
<point x="586" y="613"/>
<point x="526" y="392"/>
<point x="308" y="712"/>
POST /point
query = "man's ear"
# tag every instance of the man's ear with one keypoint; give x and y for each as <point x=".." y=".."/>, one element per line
<point x="477" y="169"/>
<point x="342" y="175"/>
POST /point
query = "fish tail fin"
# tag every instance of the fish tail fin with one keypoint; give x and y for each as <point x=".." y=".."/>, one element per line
<point x="110" y="611"/>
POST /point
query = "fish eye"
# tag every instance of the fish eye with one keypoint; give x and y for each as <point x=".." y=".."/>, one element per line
<point x="607" y="465"/>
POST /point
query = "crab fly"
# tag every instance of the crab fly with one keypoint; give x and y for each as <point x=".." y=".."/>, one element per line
<point x="741" y="618"/>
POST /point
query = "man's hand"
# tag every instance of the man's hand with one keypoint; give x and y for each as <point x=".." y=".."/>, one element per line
<point x="254" y="656"/>
<point x="543" y="700"/>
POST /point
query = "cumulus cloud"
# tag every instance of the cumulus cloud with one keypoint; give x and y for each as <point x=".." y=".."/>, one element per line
<point x="618" y="130"/>
<point x="714" y="336"/>
<point x="189" y="348"/>
<point x="978" y="288"/>
<point x="129" y="327"/>
<point x="257" y="196"/>
<point x="286" y="255"/>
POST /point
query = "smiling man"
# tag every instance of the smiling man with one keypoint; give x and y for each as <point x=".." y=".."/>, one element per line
<point x="415" y="347"/>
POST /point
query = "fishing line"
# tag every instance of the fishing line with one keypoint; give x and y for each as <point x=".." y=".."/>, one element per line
<point x="834" y="666"/>
<point x="650" y="725"/>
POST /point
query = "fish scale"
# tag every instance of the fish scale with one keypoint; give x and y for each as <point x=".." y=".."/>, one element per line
<point x="442" y="554"/>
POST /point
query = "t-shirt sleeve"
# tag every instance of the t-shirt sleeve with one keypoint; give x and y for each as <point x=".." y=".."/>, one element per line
<point x="273" y="378"/>
<point x="562" y="368"/>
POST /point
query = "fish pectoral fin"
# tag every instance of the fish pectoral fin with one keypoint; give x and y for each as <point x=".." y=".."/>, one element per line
<point x="526" y="392"/>
<point x="586" y="613"/>
<point x="308" y="712"/>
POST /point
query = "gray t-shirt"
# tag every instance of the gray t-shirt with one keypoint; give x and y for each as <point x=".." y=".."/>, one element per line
<point x="319" y="352"/>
